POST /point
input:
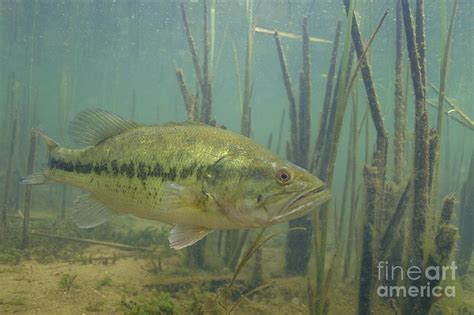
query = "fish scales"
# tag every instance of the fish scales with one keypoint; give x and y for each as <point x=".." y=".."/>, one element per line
<point x="128" y="171"/>
<point x="195" y="177"/>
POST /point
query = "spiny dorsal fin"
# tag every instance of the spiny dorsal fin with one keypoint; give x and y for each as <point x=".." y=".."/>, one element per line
<point x="92" y="126"/>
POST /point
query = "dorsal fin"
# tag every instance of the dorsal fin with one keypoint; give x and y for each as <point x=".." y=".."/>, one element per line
<point x="92" y="126"/>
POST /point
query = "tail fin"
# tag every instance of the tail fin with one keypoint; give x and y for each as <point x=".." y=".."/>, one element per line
<point x="40" y="177"/>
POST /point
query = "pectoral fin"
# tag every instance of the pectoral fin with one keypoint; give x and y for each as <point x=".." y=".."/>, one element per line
<point x="181" y="197"/>
<point x="182" y="236"/>
<point x="88" y="213"/>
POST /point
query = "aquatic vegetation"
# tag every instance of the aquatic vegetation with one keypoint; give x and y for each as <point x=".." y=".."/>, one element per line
<point x="152" y="303"/>
<point x="67" y="282"/>
<point x="105" y="282"/>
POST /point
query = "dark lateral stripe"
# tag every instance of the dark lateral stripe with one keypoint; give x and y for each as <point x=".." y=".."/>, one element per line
<point x="129" y="169"/>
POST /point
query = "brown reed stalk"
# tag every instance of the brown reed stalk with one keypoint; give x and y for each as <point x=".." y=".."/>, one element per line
<point x="280" y="131"/>
<point x="466" y="216"/>
<point x="26" y="211"/>
<point x="298" y="241"/>
<point x="371" y="179"/>
<point x="421" y="164"/>
<point x="433" y="143"/>
<point x="291" y="98"/>
<point x="188" y="98"/>
<point x="192" y="47"/>
<point x="348" y="172"/>
<point x="327" y="100"/>
<point x="206" y="106"/>
<point x="400" y="112"/>
<point x="394" y="223"/>
<point x="380" y="155"/>
<point x="304" y="118"/>
<point x="324" y="171"/>
<point x="245" y="126"/>
<point x="8" y="177"/>
<point x="420" y="38"/>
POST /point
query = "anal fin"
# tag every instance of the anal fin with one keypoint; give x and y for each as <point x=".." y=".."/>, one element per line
<point x="88" y="213"/>
<point x="182" y="236"/>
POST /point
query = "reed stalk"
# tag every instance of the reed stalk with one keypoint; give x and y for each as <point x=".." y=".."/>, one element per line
<point x="395" y="222"/>
<point x="444" y="71"/>
<point x="353" y="175"/>
<point x="8" y="178"/>
<point x="26" y="211"/>
<point x="291" y="98"/>
<point x="245" y="126"/>
<point x="327" y="100"/>
<point x="304" y="118"/>
<point x="192" y="46"/>
<point x="466" y="216"/>
<point x="371" y="179"/>
<point x="345" y="190"/>
<point x="280" y="131"/>
<point x="380" y="155"/>
<point x="435" y="141"/>
<point x="206" y="106"/>
<point x="400" y="113"/>
<point x="188" y="98"/>
<point x="421" y="164"/>
<point x="469" y="124"/>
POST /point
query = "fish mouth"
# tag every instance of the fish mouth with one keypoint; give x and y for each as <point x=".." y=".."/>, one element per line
<point x="302" y="203"/>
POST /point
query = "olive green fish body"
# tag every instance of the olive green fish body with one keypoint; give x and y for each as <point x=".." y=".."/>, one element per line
<point x="131" y="171"/>
<point x="193" y="176"/>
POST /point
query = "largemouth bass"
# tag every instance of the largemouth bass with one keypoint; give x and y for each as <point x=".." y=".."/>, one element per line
<point x="196" y="177"/>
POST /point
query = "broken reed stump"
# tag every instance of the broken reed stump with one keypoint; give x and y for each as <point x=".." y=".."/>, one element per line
<point x="30" y="170"/>
<point x="8" y="178"/>
<point x="445" y="241"/>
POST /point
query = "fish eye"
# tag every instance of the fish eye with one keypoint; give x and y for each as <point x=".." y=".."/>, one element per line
<point x="283" y="176"/>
